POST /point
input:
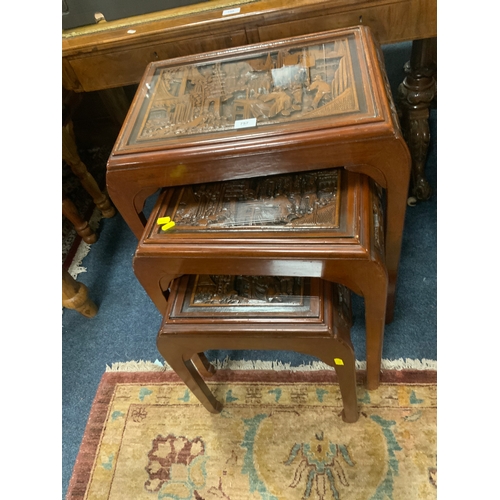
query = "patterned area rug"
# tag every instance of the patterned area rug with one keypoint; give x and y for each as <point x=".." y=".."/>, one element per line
<point x="280" y="436"/>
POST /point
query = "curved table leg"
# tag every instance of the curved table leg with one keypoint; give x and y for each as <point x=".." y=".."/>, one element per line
<point x="202" y="364"/>
<point x="129" y="201"/>
<point x="155" y="284"/>
<point x="415" y="95"/>
<point x="390" y="168"/>
<point x="340" y="354"/>
<point x="346" y="375"/>
<point x="368" y="279"/>
<point x="181" y="362"/>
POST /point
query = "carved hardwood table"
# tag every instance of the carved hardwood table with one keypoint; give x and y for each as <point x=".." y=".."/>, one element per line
<point x="257" y="312"/>
<point x="298" y="104"/>
<point x="323" y="224"/>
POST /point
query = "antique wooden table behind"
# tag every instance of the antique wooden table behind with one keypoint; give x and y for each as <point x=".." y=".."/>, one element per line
<point x="108" y="56"/>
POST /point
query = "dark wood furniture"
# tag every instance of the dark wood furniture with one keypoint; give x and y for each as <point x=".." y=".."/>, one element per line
<point x="305" y="315"/>
<point x="323" y="224"/>
<point x="414" y="97"/>
<point x="318" y="101"/>
<point x="82" y="227"/>
<point x="71" y="157"/>
<point x="111" y="55"/>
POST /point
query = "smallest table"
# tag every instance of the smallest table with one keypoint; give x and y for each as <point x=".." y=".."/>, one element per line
<point x="293" y="105"/>
<point x="257" y="312"/>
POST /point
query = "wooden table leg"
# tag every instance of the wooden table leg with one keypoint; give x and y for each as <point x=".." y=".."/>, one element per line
<point x="202" y="364"/>
<point x="390" y="167"/>
<point x="75" y="296"/>
<point x="183" y="365"/>
<point x="82" y="227"/>
<point x="368" y="279"/>
<point x="415" y="95"/>
<point x="71" y="157"/>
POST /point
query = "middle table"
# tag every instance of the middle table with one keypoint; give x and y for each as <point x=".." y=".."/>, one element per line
<point x="293" y="105"/>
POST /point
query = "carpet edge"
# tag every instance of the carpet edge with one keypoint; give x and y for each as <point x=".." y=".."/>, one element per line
<point x="158" y="366"/>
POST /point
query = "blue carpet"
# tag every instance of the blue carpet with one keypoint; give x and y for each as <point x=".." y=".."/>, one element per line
<point x="127" y="323"/>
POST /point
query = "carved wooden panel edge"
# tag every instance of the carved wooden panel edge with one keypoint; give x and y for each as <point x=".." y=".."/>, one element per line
<point x="302" y="201"/>
<point x="279" y="86"/>
<point x="247" y="291"/>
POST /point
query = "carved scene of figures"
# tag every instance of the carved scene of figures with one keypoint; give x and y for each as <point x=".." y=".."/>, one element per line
<point x="302" y="200"/>
<point x="290" y="84"/>
<point x="247" y="290"/>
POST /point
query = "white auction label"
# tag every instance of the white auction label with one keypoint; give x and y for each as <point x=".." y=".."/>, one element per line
<point x="229" y="12"/>
<point x="250" y="122"/>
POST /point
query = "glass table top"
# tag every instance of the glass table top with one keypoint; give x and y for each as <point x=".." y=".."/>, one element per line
<point x="305" y="85"/>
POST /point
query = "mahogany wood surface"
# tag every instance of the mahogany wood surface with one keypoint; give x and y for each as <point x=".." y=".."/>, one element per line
<point x="366" y="140"/>
<point x="239" y="312"/>
<point x="107" y="55"/>
<point x="340" y="240"/>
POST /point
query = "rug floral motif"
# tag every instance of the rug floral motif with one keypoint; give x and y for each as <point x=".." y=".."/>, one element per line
<point x="272" y="441"/>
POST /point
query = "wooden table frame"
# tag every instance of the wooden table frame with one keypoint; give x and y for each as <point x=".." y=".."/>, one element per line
<point x="324" y="332"/>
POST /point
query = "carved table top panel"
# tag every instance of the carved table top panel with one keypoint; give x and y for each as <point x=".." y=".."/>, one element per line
<point x="233" y="298"/>
<point x="288" y="87"/>
<point x="300" y="202"/>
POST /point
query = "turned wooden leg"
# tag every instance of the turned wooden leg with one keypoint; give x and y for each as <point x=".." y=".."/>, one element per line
<point x="71" y="157"/>
<point x="415" y="95"/>
<point x="82" y="227"/>
<point x="75" y="296"/>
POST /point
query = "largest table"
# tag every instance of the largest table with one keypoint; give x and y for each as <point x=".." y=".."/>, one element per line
<point x="108" y="56"/>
